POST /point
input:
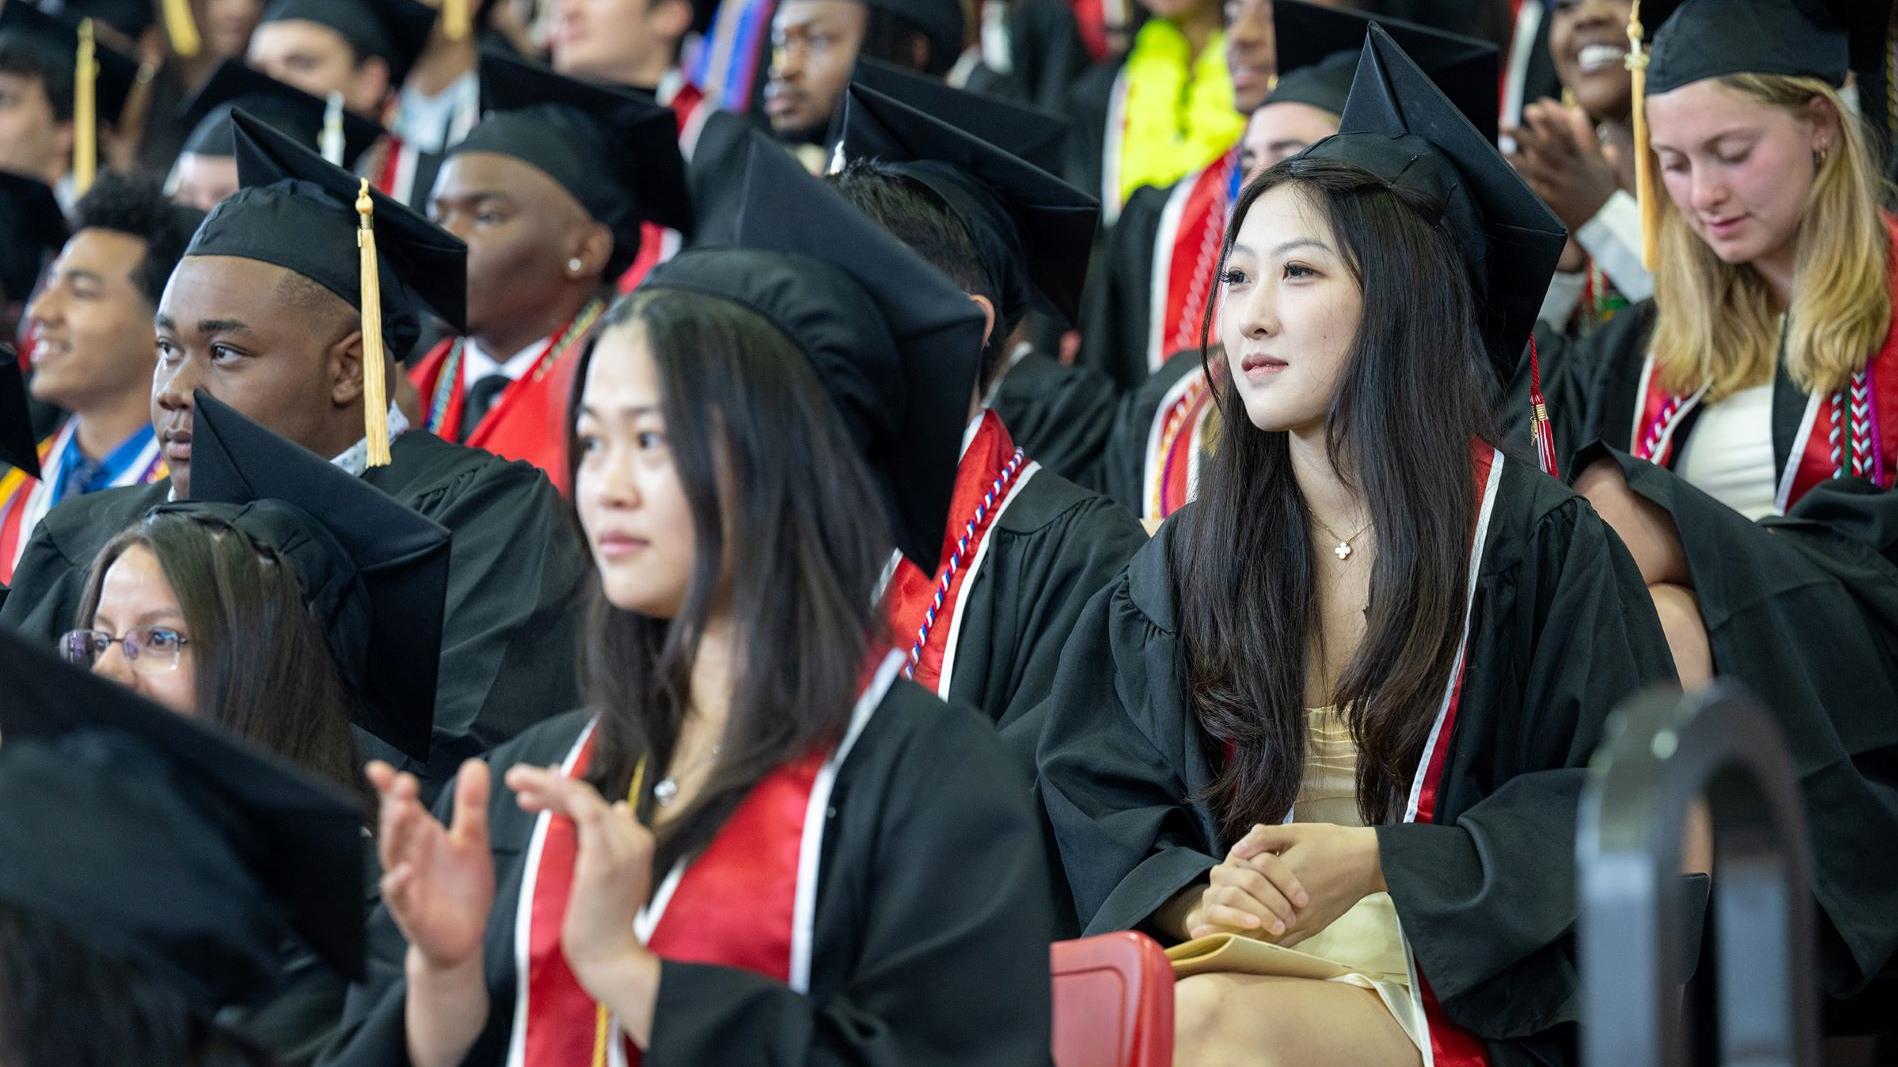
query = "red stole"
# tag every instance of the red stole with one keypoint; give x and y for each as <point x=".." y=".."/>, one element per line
<point x="924" y="610"/>
<point x="1841" y="436"/>
<point x="15" y="491"/>
<point x="529" y="419"/>
<point x="747" y="901"/>
<point x="1175" y="442"/>
<point x="1186" y="256"/>
<point x="657" y="243"/>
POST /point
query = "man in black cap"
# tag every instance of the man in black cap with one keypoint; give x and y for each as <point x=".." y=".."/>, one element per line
<point x="1026" y="547"/>
<point x="206" y="170"/>
<point x="551" y="193"/>
<point x="185" y="864"/>
<point x="40" y="130"/>
<point x="362" y="49"/>
<point x="269" y="312"/>
<point x="815" y="44"/>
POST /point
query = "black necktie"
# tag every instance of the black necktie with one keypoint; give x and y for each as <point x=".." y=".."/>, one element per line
<point x="481" y="397"/>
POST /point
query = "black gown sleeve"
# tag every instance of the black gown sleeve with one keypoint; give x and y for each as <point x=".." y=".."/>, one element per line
<point x="1117" y="313"/>
<point x="1487" y="897"/>
<point x="1059" y="415"/>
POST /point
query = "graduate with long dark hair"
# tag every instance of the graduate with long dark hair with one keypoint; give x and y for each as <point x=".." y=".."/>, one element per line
<point x="758" y="843"/>
<point x="1343" y="701"/>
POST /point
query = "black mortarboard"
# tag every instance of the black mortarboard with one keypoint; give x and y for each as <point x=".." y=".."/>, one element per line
<point x="1318" y="51"/>
<point x="1401" y="127"/>
<point x="614" y="151"/>
<point x="1037" y="136"/>
<point x="17" y="447"/>
<point x="396" y="31"/>
<point x="374" y="572"/>
<point x="158" y="840"/>
<point x="282" y="107"/>
<point x="895" y="343"/>
<point x="56" y="39"/>
<point x="129" y="17"/>
<point x="34" y="229"/>
<point x="1030" y="227"/>
<point x="1700" y="39"/>
<point x="940" y="21"/>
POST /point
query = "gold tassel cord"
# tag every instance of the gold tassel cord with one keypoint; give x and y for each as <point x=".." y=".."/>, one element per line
<point x="181" y="28"/>
<point x="1647" y="192"/>
<point x="375" y="385"/>
<point x="456" y="20"/>
<point x="85" y="138"/>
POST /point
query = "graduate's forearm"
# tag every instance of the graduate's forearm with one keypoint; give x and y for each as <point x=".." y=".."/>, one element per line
<point x="1175" y="917"/>
<point x="629" y="987"/>
<point x="444" y="1010"/>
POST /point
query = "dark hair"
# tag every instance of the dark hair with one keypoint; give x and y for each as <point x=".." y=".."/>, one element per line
<point x="137" y="207"/>
<point x="1411" y="402"/>
<point x="29" y="59"/>
<point x="265" y="671"/>
<point x="781" y="496"/>
<point x="916" y="216"/>
<point x="893" y="39"/>
<point x="65" y="1003"/>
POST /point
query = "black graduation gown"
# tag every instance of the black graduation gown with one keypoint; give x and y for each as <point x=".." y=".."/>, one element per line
<point x="1088" y="101"/>
<point x="931" y="931"/>
<point x="1045" y="46"/>
<point x="1118" y="313"/>
<point x="1801" y="608"/>
<point x="1124" y="463"/>
<point x="1561" y="631"/>
<point x="1060" y="415"/>
<point x="509" y="630"/>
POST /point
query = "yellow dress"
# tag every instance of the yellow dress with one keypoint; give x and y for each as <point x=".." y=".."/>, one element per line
<point x="1366" y="938"/>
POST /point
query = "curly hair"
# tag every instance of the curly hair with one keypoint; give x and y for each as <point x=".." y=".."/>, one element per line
<point x="138" y="207"/>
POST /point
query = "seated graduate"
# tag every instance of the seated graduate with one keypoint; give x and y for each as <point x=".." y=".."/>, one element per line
<point x="1343" y="701"/>
<point x="205" y="172"/>
<point x="1750" y="397"/>
<point x="184" y="862"/>
<point x="51" y="132"/>
<point x="1168" y="424"/>
<point x="550" y="192"/>
<point x="1562" y="151"/>
<point x="815" y="45"/>
<point x="984" y="619"/>
<point x="283" y="600"/>
<point x="90" y="325"/>
<point x="743" y="699"/>
<point x="268" y="312"/>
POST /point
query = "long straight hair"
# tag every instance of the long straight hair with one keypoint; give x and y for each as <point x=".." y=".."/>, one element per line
<point x="785" y="518"/>
<point x="1412" y="400"/>
<point x="265" y="672"/>
<point x="1714" y="324"/>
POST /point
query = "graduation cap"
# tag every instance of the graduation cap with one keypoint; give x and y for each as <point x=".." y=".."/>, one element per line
<point x="102" y="78"/>
<point x="395" y="31"/>
<point x="17" y="447"/>
<point x="31" y="220"/>
<point x="895" y="343"/>
<point x="613" y="150"/>
<point x="156" y="839"/>
<point x="1701" y="39"/>
<point x="1318" y="51"/>
<point x="939" y="20"/>
<point x="298" y="212"/>
<point x="1040" y="137"/>
<point x="373" y="571"/>
<point x="1399" y="126"/>
<point x="283" y="107"/>
<point x="1030" y="227"/>
<point x="129" y="17"/>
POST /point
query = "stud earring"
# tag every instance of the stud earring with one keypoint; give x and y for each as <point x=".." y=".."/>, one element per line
<point x="574" y="265"/>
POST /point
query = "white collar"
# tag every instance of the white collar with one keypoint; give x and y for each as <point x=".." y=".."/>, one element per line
<point x="477" y="364"/>
<point x="355" y="458"/>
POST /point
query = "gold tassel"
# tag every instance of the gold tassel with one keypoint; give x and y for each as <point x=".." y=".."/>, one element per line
<point x="375" y="385"/>
<point x="181" y="28"/>
<point x="455" y="21"/>
<point x="85" y="126"/>
<point x="1646" y="191"/>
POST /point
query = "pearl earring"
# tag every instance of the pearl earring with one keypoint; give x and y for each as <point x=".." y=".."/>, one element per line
<point x="574" y="265"/>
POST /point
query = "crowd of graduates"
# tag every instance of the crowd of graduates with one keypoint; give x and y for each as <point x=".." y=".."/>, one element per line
<point x="546" y="532"/>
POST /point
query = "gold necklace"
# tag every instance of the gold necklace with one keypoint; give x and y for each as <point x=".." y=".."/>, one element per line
<point x="1343" y="548"/>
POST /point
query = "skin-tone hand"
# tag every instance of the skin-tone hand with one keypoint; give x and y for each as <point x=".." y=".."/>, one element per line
<point x="1560" y="157"/>
<point x="1338" y="865"/>
<point x="1250" y="893"/>
<point x="612" y="877"/>
<point x="438" y="883"/>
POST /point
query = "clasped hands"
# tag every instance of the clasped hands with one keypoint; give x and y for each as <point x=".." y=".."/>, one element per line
<point x="1285" y="883"/>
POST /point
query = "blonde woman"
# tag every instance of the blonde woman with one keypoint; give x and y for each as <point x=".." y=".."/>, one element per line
<point x="1743" y="420"/>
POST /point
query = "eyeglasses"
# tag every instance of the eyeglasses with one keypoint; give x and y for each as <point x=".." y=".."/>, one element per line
<point x="148" y="649"/>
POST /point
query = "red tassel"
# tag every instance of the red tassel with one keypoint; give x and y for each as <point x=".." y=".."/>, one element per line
<point x="1540" y="431"/>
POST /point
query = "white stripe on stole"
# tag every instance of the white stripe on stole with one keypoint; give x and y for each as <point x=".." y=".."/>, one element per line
<point x="524" y="911"/>
<point x="1115" y="136"/>
<point x="1796" y="458"/>
<point x="1160" y="282"/>
<point x="1443" y="713"/>
<point x="1196" y="442"/>
<point x="969" y="577"/>
<point x="1640" y="430"/>
<point x="1153" y="476"/>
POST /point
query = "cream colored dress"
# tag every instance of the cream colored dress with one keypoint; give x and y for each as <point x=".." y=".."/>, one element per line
<point x="1366" y="938"/>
